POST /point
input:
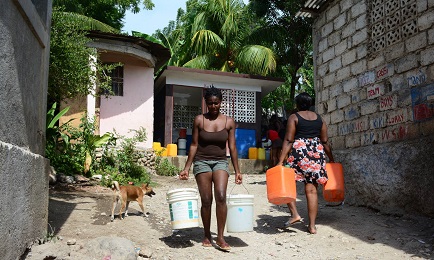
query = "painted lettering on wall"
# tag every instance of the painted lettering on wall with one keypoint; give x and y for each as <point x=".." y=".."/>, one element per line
<point x="395" y="133"/>
<point x="378" y="122"/>
<point x="352" y="127"/>
<point x="368" y="138"/>
<point x="345" y="128"/>
<point x="367" y="78"/>
<point x="385" y="71"/>
<point x="375" y="90"/>
<point x="416" y="79"/>
<point x="397" y="117"/>
<point x="351" y="113"/>
<point x="422" y="102"/>
<point x="388" y="102"/>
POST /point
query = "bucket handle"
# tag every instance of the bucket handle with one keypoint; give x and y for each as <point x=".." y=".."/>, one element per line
<point x="237" y="185"/>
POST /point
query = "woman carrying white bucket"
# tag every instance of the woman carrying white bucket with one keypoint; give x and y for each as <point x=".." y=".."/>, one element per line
<point x="211" y="131"/>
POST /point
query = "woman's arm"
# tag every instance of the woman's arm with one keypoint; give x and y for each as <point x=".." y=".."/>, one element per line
<point x="324" y="141"/>
<point x="233" y="151"/>
<point x="183" y="175"/>
<point x="289" y="138"/>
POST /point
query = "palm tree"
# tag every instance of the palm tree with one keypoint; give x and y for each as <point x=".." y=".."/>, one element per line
<point x="217" y="36"/>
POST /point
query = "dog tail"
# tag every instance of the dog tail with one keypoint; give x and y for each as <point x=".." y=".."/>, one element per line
<point x="115" y="185"/>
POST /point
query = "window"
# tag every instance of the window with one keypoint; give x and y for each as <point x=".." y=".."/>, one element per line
<point x="117" y="76"/>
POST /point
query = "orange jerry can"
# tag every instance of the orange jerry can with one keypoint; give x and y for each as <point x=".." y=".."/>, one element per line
<point x="281" y="188"/>
<point x="333" y="190"/>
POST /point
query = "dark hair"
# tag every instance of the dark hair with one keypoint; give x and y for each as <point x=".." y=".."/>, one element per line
<point x="213" y="92"/>
<point x="303" y="101"/>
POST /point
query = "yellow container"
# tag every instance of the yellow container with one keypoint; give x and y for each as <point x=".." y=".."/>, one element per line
<point x="156" y="146"/>
<point x="172" y="150"/>
<point x="261" y="153"/>
<point x="164" y="151"/>
<point x="253" y="153"/>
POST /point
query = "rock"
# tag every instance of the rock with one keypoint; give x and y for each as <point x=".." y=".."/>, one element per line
<point x="64" y="178"/>
<point x="71" y="242"/>
<point x="97" y="177"/>
<point x="113" y="247"/>
<point x="52" y="175"/>
<point x="80" y="178"/>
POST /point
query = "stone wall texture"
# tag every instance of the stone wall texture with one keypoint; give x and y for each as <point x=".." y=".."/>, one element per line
<point x="374" y="81"/>
<point x="24" y="52"/>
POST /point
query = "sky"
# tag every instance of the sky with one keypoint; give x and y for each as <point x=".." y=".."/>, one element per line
<point x="148" y="21"/>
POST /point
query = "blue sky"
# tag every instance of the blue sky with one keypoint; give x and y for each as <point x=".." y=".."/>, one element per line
<point x="148" y="21"/>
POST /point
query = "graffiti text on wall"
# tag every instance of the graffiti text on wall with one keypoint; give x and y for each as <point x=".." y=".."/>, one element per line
<point x="394" y="133"/>
<point x="385" y="71"/>
<point x="367" y="78"/>
<point x="375" y="90"/>
<point x="388" y="102"/>
<point x="422" y="102"/>
<point x="397" y="117"/>
<point x="416" y="79"/>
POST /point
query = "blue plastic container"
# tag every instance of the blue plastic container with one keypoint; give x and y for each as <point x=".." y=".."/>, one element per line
<point x="244" y="139"/>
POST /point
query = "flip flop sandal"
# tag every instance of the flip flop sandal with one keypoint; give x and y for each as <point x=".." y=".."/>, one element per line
<point x="288" y="224"/>
<point x="225" y="248"/>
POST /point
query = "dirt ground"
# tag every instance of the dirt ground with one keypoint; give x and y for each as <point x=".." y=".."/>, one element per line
<point x="79" y="214"/>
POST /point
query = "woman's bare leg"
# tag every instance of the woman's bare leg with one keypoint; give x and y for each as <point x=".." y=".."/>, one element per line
<point x="220" y="179"/>
<point x="204" y="183"/>
<point x="311" y="191"/>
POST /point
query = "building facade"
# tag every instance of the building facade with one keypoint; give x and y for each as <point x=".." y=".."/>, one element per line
<point x="374" y="82"/>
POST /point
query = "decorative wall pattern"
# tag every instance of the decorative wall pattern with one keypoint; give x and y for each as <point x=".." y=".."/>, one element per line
<point x="241" y="105"/>
<point x="183" y="116"/>
<point x="391" y="21"/>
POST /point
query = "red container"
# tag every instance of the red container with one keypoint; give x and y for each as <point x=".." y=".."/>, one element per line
<point x="182" y="133"/>
<point x="333" y="190"/>
<point x="281" y="188"/>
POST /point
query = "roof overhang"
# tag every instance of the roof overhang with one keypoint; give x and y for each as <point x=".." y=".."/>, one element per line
<point x="175" y="75"/>
<point x="312" y="8"/>
<point x="129" y="49"/>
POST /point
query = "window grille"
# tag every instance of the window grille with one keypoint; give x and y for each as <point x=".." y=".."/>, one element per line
<point x="391" y="21"/>
<point x="117" y="77"/>
<point x="240" y="105"/>
<point x="183" y="116"/>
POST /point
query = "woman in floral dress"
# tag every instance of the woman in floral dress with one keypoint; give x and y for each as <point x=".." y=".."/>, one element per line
<point x="306" y="143"/>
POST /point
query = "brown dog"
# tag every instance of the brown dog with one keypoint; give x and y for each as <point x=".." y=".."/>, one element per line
<point x="129" y="193"/>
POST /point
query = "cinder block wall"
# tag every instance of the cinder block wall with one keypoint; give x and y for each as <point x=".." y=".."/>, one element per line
<point x="374" y="77"/>
<point x="24" y="52"/>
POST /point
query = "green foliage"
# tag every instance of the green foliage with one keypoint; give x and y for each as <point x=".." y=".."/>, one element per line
<point x="165" y="168"/>
<point x="120" y="164"/>
<point x="290" y="37"/>
<point x="215" y="34"/>
<point x="110" y="12"/>
<point x="70" y="73"/>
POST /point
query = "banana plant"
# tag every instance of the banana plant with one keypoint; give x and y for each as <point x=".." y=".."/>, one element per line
<point x="91" y="143"/>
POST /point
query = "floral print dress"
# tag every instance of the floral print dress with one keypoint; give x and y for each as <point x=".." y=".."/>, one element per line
<point x="308" y="160"/>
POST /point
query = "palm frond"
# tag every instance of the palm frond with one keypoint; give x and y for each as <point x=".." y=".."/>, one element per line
<point x="256" y="59"/>
<point x="206" y="41"/>
<point x="86" y="22"/>
<point x="200" y="62"/>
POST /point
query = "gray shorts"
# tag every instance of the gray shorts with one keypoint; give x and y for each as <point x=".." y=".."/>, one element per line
<point x="210" y="166"/>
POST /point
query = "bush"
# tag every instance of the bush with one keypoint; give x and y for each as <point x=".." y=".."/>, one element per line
<point x="165" y="168"/>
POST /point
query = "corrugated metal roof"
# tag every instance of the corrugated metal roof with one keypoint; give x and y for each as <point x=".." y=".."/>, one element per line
<point x="312" y="8"/>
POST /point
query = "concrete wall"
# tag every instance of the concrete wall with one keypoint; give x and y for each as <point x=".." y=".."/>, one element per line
<point x="24" y="52"/>
<point x="374" y="79"/>
<point x="134" y="109"/>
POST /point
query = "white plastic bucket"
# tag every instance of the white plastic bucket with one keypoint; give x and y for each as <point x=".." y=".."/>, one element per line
<point x="182" y="144"/>
<point x="240" y="213"/>
<point x="182" y="152"/>
<point x="183" y="208"/>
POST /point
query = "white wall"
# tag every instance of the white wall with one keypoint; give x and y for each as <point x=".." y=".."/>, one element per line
<point x="132" y="110"/>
